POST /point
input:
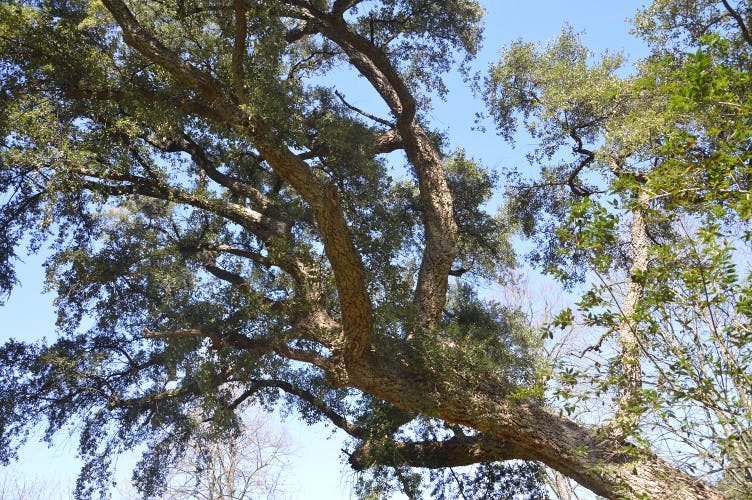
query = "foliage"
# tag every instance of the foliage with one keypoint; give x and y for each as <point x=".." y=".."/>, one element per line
<point x="653" y="211"/>
<point x="185" y="261"/>
<point x="225" y="226"/>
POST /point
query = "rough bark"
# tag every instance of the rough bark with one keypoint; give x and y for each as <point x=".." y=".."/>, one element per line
<point x="629" y="341"/>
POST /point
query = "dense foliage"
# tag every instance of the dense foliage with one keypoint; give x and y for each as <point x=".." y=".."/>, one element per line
<point x="225" y="226"/>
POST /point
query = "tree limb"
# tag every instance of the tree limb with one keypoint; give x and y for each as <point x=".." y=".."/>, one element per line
<point x="455" y="452"/>
<point x="323" y="197"/>
<point x="239" y="49"/>
<point x="210" y="89"/>
<point x="441" y="230"/>
<point x="306" y="396"/>
<point x="361" y="112"/>
<point x="739" y="21"/>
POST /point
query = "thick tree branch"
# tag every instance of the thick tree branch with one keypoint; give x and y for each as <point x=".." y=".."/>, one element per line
<point x="455" y="452"/>
<point x="438" y="216"/>
<point x="239" y="49"/>
<point x="607" y="466"/>
<point x="389" y="141"/>
<point x="301" y="30"/>
<point x="629" y="336"/>
<point x="340" y="6"/>
<point x="323" y="197"/>
<point x="230" y="277"/>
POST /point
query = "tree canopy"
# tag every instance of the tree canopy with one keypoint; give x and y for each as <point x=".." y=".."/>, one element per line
<point x="223" y="227"/>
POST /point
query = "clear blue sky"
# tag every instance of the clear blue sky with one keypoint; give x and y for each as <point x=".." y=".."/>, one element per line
<point x="318" y="471"/>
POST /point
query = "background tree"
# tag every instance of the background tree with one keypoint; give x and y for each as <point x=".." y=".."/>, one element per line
<point x="16" y="486"/>
<point x="652" y="211"/>
<point x="228" y="221"/>
<point x="251" y="462"/>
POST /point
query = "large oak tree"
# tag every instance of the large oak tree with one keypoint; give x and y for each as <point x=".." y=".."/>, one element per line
<point x="225" y="227"/>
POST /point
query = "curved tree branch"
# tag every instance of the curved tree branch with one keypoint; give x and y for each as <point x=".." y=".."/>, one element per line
<point x="306" y="396"/>
<point x="323" y="197"/>
<point x="441" y="230"/>
<point x="739" y="21"/>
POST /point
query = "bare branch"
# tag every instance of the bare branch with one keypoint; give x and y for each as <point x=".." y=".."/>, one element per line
<point x="361" y="112"/>
<point x="306" y="396"/>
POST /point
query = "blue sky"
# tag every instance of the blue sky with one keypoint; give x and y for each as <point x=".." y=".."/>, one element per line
<point x="318" y="471"/>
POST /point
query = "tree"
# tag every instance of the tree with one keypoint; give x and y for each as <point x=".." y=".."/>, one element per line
<point x="14" y="486"/>
<point x="230" y="222"/>
<point x="248" y="463"/>
<point x="654" y="209"/>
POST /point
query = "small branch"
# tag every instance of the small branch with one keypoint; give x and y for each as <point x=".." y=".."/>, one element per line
<point x="309" y="398"/>
<point x="455" y="452"/>
<point x="364" y="113"/>
<point x="460" y="486"/>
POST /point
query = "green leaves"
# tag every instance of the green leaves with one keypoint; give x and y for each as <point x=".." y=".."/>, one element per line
<point x="650" y="212"/>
